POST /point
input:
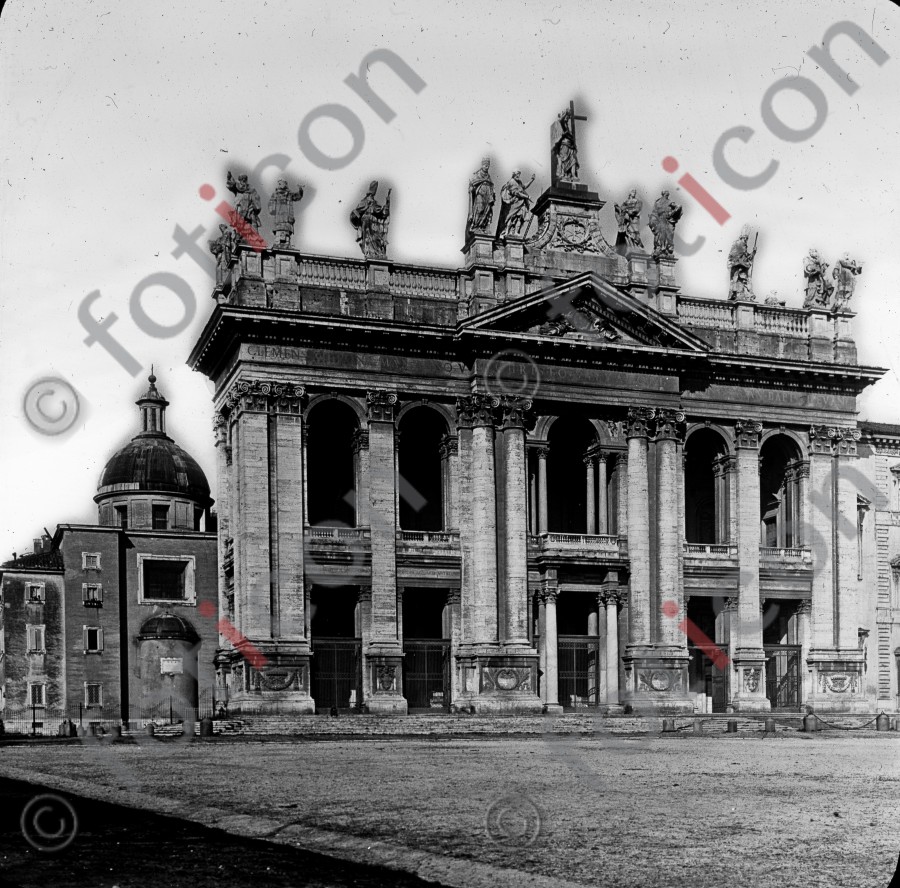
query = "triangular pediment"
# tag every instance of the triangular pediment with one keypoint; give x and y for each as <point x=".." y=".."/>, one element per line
<point x="590" y="309"/>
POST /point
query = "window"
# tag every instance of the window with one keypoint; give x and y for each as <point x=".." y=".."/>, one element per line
<point x="37" y="695"/>
<point x="35" y="639"/>
<point x="93" y="639"/>
<point x="122" y="516"/>
<point x="160" y="517"/>
<point x="35" y="592"/>
<point x="166" y="578"/>
<point x="92" y="594"/>
<point x="93" y="694"/>
<point x="90" y="561"/>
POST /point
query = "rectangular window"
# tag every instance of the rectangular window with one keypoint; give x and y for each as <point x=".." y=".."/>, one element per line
<point x="165" y="580"/>
<point x="35" y="592"/>
<point x="93" y="639"/>
<point x="93" y="694"/>
<point x="92" y="594"/>
<point x="90" y="561"/>
<point x="35" y="639"/>
<point x="37" y="695"/>
<point x="122" y="516"/>
<point x="160" y="517"/>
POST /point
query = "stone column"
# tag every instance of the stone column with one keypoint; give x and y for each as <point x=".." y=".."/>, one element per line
<point x="638" y="431"/>
<point x="602" y="497"/>
<point x="803" y="503"/>
<point x="822" y="537"/>
<point x="542" y="454"/>
<point x="453" y="607"/>
<point x="590" y="495"/>
<point x="532" y="503"/>
<point x="384" y="654"/>
<point x="450" y="468"/>
<point x="804" y="609"/>
<point x="749" y="658"/>
<point x="549" y="595"/>
<point x="622" y="493"/>
<point x="220" y="430"/>
<point x="542" y="646"/>
<point x="361" y="462"/>
<point x="515" y="592"/>
<point x="364" y="630"/>
<point x="610" y="601"/>
<point x="669" y="428"/>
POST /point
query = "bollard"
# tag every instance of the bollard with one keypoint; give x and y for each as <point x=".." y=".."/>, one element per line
<point x="150" y="728"/>
<point x="116" y="732"/>
<point x="698" y="726"/>
<point x="882" y="722"/>
<point x="732" y="726"/>
<point x="668" y="725"/>
<point x="81" y="731"/>
<point x="206" y="727"/>
<point x="770" y="725"/>
<point x="810" y="724"/>
<point x="895" y="724"/>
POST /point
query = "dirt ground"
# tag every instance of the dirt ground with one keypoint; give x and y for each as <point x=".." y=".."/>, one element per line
<point x="679" y="810"/>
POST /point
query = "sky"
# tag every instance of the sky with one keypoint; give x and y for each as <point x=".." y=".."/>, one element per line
<point x="114" y="115"/>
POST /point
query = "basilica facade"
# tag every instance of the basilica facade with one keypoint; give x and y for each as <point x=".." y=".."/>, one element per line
<point x="547" y="479"/>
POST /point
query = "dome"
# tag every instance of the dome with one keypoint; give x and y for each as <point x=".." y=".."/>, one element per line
<point x="166" y="625"/>
<point x="152" y="461"/>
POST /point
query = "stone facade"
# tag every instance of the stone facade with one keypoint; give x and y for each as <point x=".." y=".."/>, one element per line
<point x="644" y="499"/>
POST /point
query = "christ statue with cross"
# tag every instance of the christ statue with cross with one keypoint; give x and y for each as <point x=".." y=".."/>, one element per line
<point x="564" y="148"/>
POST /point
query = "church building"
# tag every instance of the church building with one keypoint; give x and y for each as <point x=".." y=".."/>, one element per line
<point x="546" y="479"/>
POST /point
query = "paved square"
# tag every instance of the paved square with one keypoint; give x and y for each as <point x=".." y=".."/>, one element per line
<point x="664" y="811"/>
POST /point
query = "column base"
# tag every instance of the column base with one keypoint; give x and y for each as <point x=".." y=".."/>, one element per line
<point x="498" y="683"/>
<point x="656" y="681"/>
<point x="749" y="666"/>
<point x="837" y="682"/>
<point x="382" y="682"/>
<point x="280" y="687"/>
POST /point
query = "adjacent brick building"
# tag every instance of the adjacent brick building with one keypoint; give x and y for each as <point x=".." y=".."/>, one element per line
<point x="89" y="614"/>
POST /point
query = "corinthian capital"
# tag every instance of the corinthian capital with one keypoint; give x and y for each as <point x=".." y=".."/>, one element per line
<point x="747" y="432"/>
<point x="380" y="406"/>
<point x="638" y="424"/>
<point x="670" y="425"/>
<point x="476" y="410"/>
<point x="516" y="412"/>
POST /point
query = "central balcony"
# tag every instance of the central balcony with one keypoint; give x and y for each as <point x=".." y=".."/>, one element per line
<point x="423" y="541"/>
<point x="579" y="545"/>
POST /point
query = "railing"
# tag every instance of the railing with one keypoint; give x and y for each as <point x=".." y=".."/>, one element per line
<point x="706" y="312"/>
<point x="429" y="537"/>
<point x="719" y="314"/>
<point x="792" y="553"/>
<point x="425" y="284"/>
<point x="715" y="550"/>
<point x="334" y="273"/>
<point x="786" y="321"/>
<point x="580" y="541"/>
<point x="339" y="534"/>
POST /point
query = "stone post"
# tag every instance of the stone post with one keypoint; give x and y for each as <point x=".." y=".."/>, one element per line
<point x="549" y="595"/>
<point x="590" y="495"/>
<point x="749" y="658"/>
<point x="384" y="653"/>
<point x="515" y="608"/>
<point x="542" y="454"/>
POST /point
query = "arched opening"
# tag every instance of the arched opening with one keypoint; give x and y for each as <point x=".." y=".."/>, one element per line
<point x="331" y="469"/>
<point x="779" y="493"/>
<point x="423" y="470"/>
<point x="707" y="488"/>
<point x="567" y="492"/>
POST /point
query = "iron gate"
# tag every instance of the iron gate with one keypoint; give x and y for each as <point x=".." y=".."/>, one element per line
<point x="426" y="672"/>
<point x="783" y="675"/>
<point x="578" y="658"/>
<point x="335" y="673"/>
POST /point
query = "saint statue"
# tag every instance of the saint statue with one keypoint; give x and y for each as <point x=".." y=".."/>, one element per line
<point x="281" y="206"/>
<point x="371" y="220"/>
<point x="481" y="200"/>
<point x="844" y="274"/>
<point x="516" y="206"/>
<point x="818" y="287"/>
<point x="628" y="215"/>
<point x="223" y="249"/>
<point x="740" y="267"/>
<point x="247" y="204"/>
<point x="564" y="151"/>
<point x="663" y="220"/>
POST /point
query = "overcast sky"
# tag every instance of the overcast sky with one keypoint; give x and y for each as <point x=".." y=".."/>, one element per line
<point x="114" y="114"/>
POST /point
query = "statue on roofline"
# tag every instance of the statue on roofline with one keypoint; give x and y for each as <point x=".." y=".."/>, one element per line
<point x="740" y="267"/>
<point x="371" y="220"/>
<point x="663" y="219"/>
<point x="223" y="249"/>
<point x="564" y="147"/>
<point x="818" y="287"/>
<point x="516" y="207"/>
<point x="628" y="216"/>
<point x="247" y="203"/>
<point x="481" y="200"/>
<point x="281" y="206"/>
<point x="844" y="274"/>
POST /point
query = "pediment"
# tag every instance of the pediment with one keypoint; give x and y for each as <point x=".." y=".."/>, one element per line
<point x="589" y="309"/>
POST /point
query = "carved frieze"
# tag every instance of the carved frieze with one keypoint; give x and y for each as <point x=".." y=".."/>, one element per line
<point x="386" y="677"/>
<point x="506" y="679"/>
<point x="659" y="680"/>
<point x="752" y="679"/>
